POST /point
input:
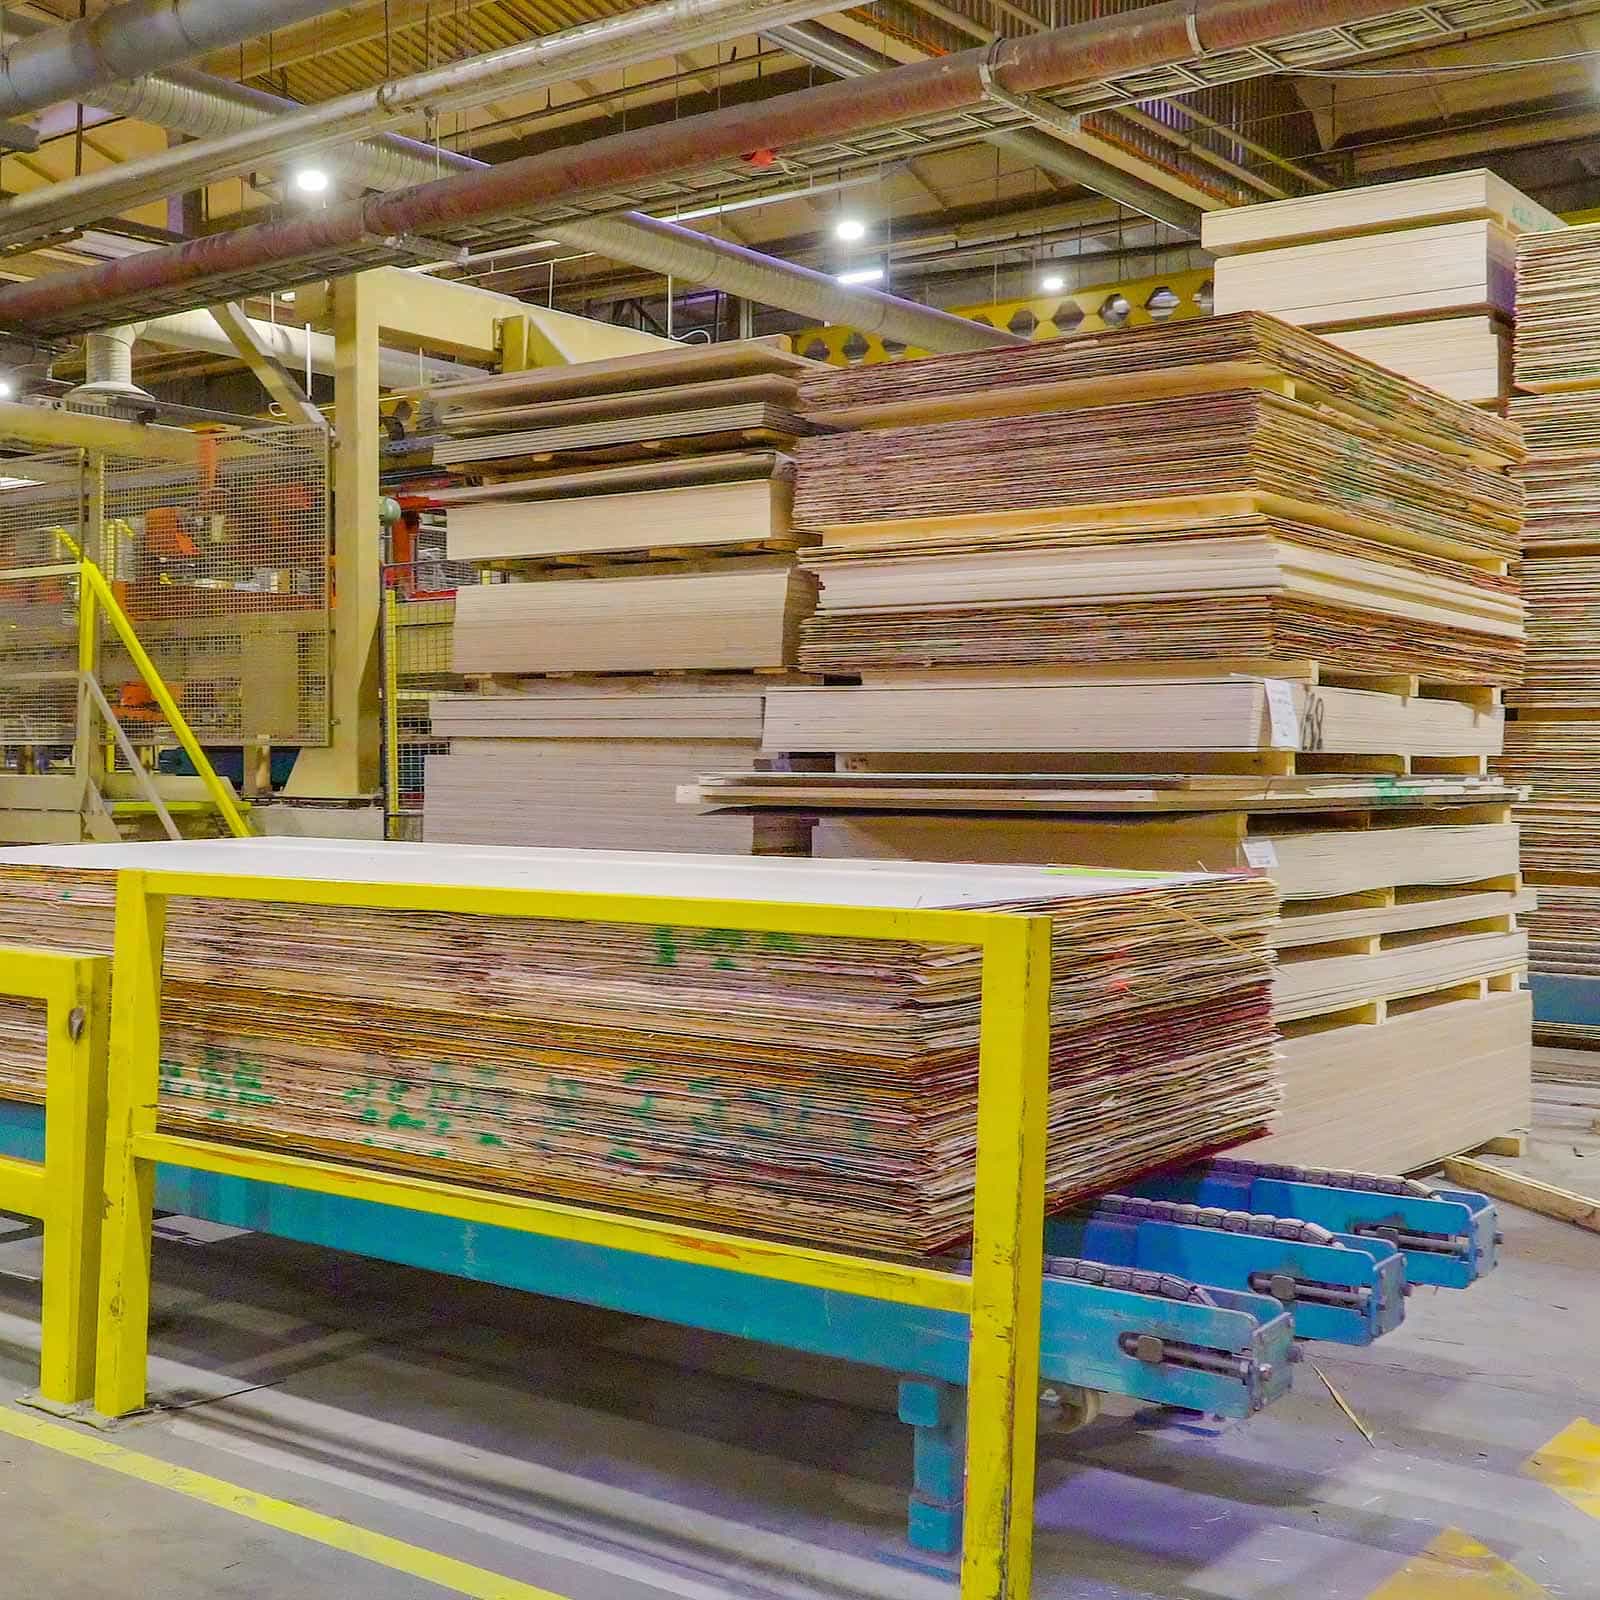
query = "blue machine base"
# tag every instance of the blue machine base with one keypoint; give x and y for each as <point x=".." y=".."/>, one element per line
<point x="1173" y="1314"/>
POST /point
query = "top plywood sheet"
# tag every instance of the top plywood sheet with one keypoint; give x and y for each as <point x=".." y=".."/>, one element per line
<point x="1411" y="203"/>
<point x="662" y="369"/>
<point x="745" y="879"/>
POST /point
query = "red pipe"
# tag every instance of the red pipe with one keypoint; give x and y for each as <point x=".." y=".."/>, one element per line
<point x="1083" y="53"/>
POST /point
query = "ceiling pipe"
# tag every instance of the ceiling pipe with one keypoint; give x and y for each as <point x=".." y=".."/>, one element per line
<point x="299" y="250"/>
<point x="618" y="41"/>
<point x="126" y="40"/>
<point x="826" y="49"/>
<point x="297" y="348"/>
<point x="189" y="101"/>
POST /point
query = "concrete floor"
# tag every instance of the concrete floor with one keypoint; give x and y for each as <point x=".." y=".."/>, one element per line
<point x="604" y="1458"/>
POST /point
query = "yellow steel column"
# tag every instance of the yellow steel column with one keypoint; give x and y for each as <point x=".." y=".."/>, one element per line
<point x="348" y="768"/>
<point x="391" y="712"/>
<point x="74" y="1163"/>
<point x="1007" y="1261"/>
<point x="133" y="1081"/>
<point x="88" y="757"/>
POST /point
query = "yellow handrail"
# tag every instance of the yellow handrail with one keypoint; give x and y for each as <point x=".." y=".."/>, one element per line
<point x="96" y="591"/>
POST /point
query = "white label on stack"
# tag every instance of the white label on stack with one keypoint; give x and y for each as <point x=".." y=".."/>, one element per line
<point x="1259" y="853"/>
<point x="1282" y="720"/>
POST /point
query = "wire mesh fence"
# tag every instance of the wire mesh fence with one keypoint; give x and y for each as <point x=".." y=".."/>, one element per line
<point x="420" y="601"/>
<point x="220" y="567"/>
<point x="42" y="515"/>
<point x="223" y="569"/>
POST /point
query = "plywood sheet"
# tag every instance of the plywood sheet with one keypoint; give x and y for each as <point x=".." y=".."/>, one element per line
<point x="1167" y="360"/>
<point x="1563" y="653"/>
<point x="700" y="516"/>
<point x="1558" y="310"/>
<point x="1237" y="714"/>
<point x="1375" y="208"/>
<point x="1236" y="443"/>
<point x="1467" y="358"/>
<point x="1400" y="1096"/>
<point x="1306" y="865"/>
<point x="1451" y="267"/>
<point x="738" y="616"/>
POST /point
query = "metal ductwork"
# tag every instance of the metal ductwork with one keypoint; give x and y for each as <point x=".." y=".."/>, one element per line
<point x="826" y="49"/>
<point x="458" y="207"/>
<point x="108" y="368"/>
<point x="192" y="102"/>
<point x="128" y="40"/>
<point x="625" y="40"/>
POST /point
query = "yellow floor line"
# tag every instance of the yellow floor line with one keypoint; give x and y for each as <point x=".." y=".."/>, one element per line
<point x="1570" y="1464"/>
<point x="1456" y="1567"/>
<point x="458" y="1577"/>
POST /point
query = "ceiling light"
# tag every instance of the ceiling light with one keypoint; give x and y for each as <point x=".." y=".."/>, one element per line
<point x="850" y="229"/>
<point x="311" y="180"/>
<point x="861" y="275"/>
<point x="1052" y="283"/>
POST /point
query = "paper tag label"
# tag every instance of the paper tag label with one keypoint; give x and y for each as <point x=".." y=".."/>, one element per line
<point x="1283" y="722"/>
<point x="1259" y="853"/>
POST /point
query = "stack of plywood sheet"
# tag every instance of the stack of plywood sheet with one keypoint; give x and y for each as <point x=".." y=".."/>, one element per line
<point x="1205" y="593"/>
<point x="640" y="508"/>
<point x="1418" y="276"/>
<point x="821" y="1088"/>
<point x="596" y="765"/>
<point x="1553" y="739"/>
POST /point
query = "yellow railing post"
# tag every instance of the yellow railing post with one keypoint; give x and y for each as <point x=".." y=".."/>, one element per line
<point x="1007" y="1261"/>
<point x="133" y="1081"/>
<point x="74" y="1162"/>
<point x="64" y="1191"/>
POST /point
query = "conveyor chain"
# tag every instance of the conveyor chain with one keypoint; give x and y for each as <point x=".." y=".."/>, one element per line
<point x="1260" y="1225"/>
<point x="1328" y="1177"/>
<point x="1136" y="1279"/>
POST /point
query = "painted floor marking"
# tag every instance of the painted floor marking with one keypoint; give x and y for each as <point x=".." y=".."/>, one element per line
<point x="456" y="1577"/>
<point x="1570" y="1464"/>
<point x="1456" y="1567"/>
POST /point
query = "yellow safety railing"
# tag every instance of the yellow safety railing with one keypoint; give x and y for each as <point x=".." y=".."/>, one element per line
<point x="63" y="1192"/>
<point x="95" y="592"/>
<point x="1001" y="1298"/>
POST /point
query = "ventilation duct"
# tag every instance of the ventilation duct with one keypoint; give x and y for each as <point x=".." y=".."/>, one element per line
<point x="108" y="368"/>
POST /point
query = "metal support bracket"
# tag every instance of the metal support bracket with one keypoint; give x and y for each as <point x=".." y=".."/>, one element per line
<point x="1034" y="108"/>
<point x="425" y="249"/>
<point x="274" y="377"/>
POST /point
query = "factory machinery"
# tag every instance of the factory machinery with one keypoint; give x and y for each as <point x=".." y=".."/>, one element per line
<point x="1193" y="1289"/>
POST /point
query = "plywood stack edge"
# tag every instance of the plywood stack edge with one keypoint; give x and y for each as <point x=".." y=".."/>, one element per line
<point x="1055" y="668"/>
<point x="1553" y="737"/>
<point x="637" y="514"/>
<point x="1418" y="275"/>
<point x="819" y="1087"/>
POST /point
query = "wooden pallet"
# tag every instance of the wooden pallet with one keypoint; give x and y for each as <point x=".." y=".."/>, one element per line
<point x="1406" y="1000"/>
